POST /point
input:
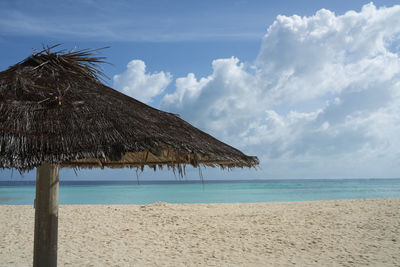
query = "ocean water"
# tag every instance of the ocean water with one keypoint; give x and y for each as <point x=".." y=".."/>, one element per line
<point x="129" y="192"/>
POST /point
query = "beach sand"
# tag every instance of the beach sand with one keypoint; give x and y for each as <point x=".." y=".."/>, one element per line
<point x="316" y="233"/>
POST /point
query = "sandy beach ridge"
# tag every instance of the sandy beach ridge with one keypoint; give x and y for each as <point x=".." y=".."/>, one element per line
<point x="363" y="232"/>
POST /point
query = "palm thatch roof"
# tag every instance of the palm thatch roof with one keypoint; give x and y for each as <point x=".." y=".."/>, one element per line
<point x="55" y="109"/>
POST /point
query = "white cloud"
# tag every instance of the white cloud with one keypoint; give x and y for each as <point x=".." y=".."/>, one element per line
<point x="323" y="92"/>
<point x="217" y="101"/>
<point x="137" y="83"/>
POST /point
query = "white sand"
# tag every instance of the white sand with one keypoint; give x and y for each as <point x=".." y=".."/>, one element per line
<point x="320" y="233"/>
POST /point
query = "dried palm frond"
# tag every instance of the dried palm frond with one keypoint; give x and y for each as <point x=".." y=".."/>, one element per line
<point x="55" y="109"/>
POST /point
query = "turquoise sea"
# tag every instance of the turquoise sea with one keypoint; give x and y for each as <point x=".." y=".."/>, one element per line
<point x="129" y="192"/>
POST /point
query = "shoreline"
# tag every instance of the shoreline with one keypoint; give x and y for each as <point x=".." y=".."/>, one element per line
<point x="158" y="203"/>
<point x="354" y="232"/>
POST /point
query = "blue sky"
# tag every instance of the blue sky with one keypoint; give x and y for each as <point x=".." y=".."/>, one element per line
<point x="310" y="87"/>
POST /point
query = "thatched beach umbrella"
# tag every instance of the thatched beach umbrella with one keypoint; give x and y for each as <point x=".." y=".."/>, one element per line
<point x="55" y="112"/>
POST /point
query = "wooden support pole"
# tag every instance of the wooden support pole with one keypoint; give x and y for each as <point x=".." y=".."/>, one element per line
<point x="46" y="216"/>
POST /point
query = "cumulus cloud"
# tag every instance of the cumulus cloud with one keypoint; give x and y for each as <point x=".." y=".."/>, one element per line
<point x="324" y="90"/>
<point x="216" y="102"/>
<point x="139" y="84"/>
